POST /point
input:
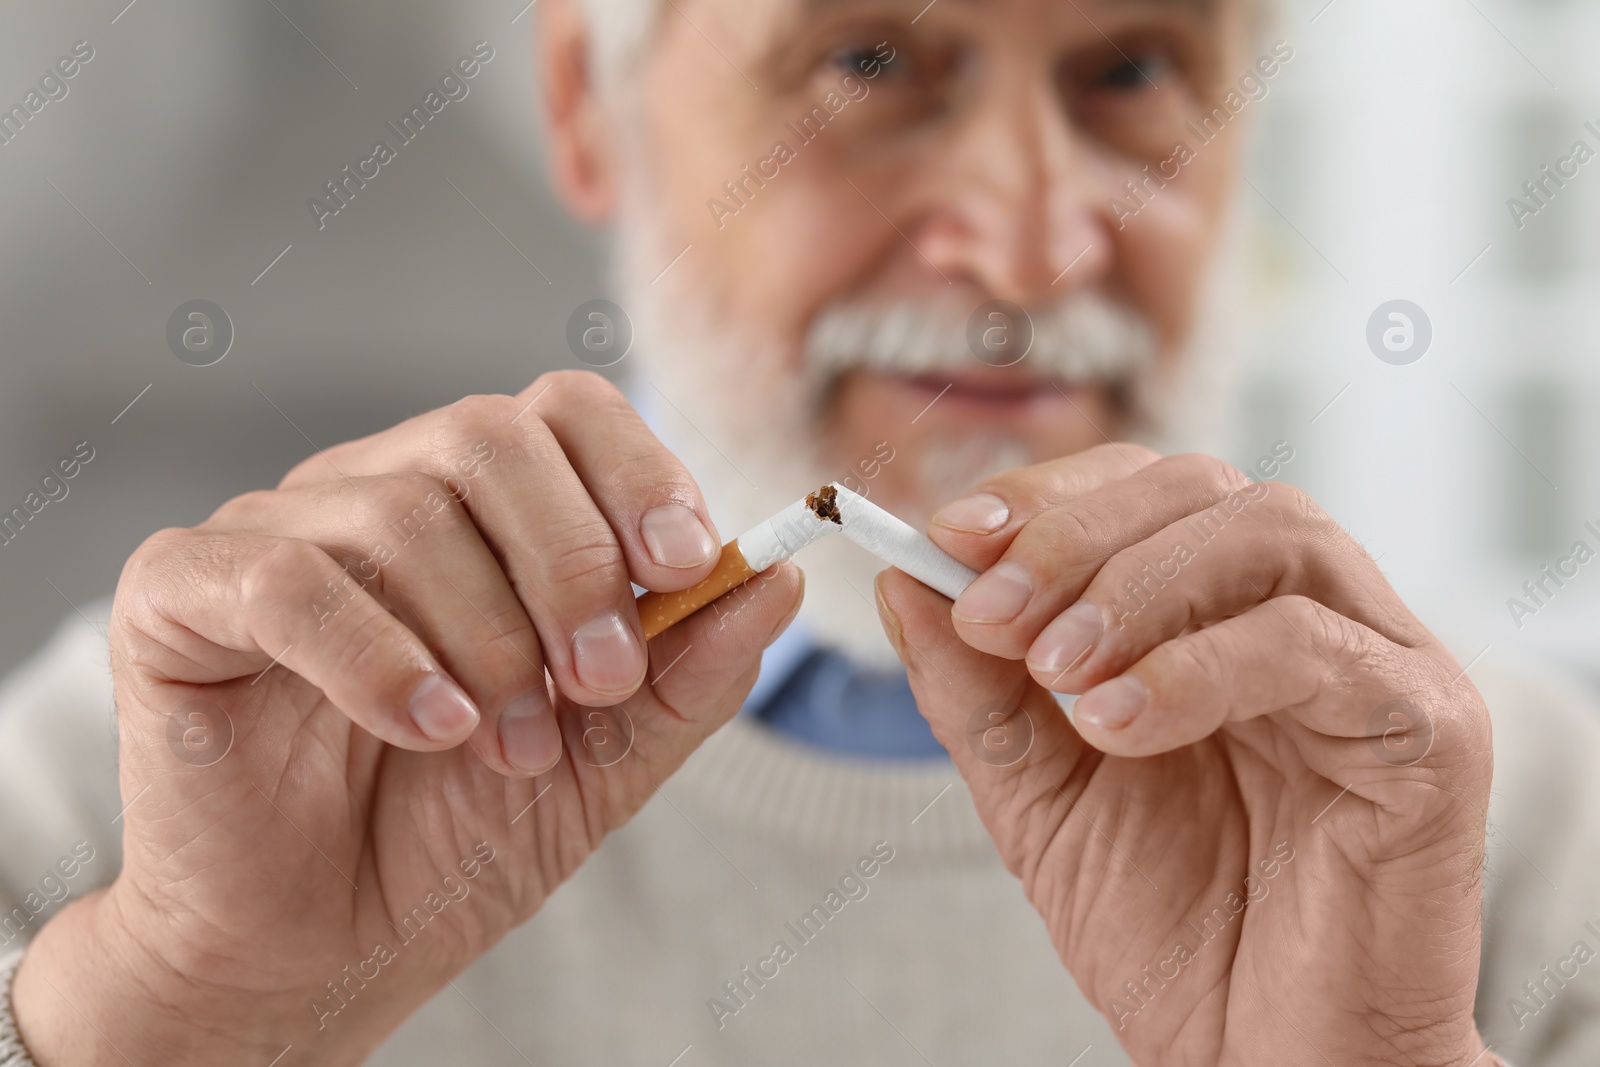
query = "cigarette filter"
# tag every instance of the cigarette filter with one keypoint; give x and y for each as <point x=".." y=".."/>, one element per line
<point x="831" y="509"/>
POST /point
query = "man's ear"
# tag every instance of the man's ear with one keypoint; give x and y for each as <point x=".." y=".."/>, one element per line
<point x="582" y="164"/>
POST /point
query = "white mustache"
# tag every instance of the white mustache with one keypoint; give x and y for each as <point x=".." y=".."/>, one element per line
<point x="1084" y="338"/>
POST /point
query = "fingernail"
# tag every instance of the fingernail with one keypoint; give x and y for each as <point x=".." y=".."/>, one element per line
<point x="998" y="595"/>
<point x="982" y="513"/>
<point x="1068" y="640"/>
<point x="676" y="537"/>
<point x="891" y="621"/>
<point x="441" y="710"/>
<point x="1112" y="705"/>
<point x="530" y="740"/>
<point x="607" y="656"/>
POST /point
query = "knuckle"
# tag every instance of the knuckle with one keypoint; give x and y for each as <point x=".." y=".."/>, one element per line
<point x="578" y="385"/>
<point x="513" y="637"/>
<point x="162" y="546"/>
<point x="1043" y="486"/>
<point x="1058" y="481"/>
<point x="492" y="420"/>
<point x="177" y="561"/>
<point x="1325" y="628"/>
<point x="1208" y="660"/>
<point x="1295" y="505"/>
<point x="479" y="411"/>
<point x="1304" y="523"/>
<point x="653" y="476"/>
<point x="1079" y="524"/>
<point x="391" y="499"/>
<point x="1128" y="566"/>
<point x="410" y="485"/>
<point x="1464" y="723"/>
<point x="582" y="394"/>
<point x="147" y="614"/>
<point x="367" y="646"/>
<point x="333" y="463"/>
<point x="286" y="564"/>
<point x="403" y="506"/>
<point x="311" y="469"/>
<point x="583" y="552"/>
<point x="508" y="662"/>
<point x="1207" y="469"/>
<point x="167" y="561"/>
<point x="244" y="509"/>
<point x="1128" y="452"/>
<point x="644" y="467"/>
<point x="1016" y="486"/>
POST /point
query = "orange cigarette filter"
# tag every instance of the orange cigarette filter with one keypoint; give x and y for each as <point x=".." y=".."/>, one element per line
<point x="660" y="611"/>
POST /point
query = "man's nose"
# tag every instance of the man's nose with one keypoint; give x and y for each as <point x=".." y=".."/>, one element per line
<point x="1018" y="213"/>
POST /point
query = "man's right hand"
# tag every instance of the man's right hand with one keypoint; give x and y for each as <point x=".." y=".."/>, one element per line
<point x="336" y="640"/>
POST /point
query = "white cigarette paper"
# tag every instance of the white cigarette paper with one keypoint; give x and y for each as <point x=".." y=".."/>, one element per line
<point x="869" y="526"/>
<point x="831" y="509"/>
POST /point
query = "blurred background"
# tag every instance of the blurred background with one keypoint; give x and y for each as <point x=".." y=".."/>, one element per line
<point x="179" y="166"/>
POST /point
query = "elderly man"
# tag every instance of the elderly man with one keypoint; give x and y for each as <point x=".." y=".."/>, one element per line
<point x="371" y="721"/>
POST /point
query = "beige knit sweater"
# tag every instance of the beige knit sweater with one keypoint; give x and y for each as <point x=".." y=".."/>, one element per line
<point x="662" y="950"/>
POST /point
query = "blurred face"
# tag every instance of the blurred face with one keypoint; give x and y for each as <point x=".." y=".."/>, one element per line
<point x="853" y="185"/>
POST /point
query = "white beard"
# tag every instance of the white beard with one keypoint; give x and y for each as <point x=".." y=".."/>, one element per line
<point x="742" y="409"/>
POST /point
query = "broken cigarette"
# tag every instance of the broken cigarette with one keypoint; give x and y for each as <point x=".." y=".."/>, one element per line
<point x="831" y="509"/>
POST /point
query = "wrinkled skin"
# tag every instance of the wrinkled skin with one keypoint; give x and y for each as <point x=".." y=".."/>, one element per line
<point x="1267" y="724"/>
<point x="251" y="881"/>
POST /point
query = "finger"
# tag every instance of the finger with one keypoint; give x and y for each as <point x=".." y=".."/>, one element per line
<point x="1328" y="676"/>
<point x="1053" y="558"/>
<point x="980" y="526"/>
<point x="645" y="493"/>
<point x="536" y="516"/>
<point x="700" y="673"/>
<point x="408" y="541"/>
<point x="1266" y="540"/>
<point x="256" y="605"/>
<point x="1009" y="739"/>
<point x="563" y="557"/>
<point x="490" y="447"/>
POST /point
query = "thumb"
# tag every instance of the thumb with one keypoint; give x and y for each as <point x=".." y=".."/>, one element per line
<point x="1009" y="738"/>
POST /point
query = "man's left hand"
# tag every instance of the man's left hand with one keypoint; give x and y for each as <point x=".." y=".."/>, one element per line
<point x="1258" y="839"/>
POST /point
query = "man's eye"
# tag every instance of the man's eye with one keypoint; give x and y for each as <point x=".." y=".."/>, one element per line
<point x="870" y="59"/>
<point x="1139" y="71"/>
